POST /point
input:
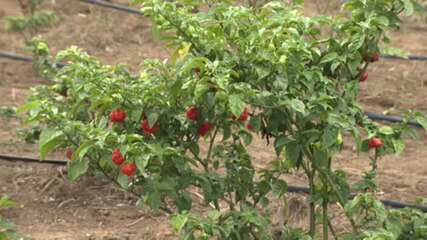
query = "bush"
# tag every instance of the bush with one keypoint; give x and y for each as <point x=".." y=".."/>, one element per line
<point x="32" y="19"/>
<point x="235" y="72"/>
<point x="7" y="229"/>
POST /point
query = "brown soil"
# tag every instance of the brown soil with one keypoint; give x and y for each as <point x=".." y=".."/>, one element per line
<point x="49" y="207"/>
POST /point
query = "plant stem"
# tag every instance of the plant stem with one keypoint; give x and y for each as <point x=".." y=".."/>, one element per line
<point x="230" y="203"/>
<point x="208" y="157"/>
<point x="204" y="164"/>
<point x="312" y="206"/>
<point x="331" y="183"/>
<point x="310" y="175"/>
<point x="374" y="161"/>
<point x="325" y="221"/>
<point x="341" y="200"/>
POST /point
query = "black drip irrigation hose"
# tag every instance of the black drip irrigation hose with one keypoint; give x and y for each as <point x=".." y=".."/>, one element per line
<point x="396" y="204"/>
<point x="389" y="203"/>
<point x="291" y="189"/>
<point x="410" y="57"/>
<point x="29" y="159"/>
<point x="394" y="119"/>
<point x="13" y="56"/>
<point x="119" y="7"/>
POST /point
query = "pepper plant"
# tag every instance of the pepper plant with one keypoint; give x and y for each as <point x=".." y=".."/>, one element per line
<point x="7" y="229"/>
<point x="33" y="19"/>
<point x="183" y="124"/>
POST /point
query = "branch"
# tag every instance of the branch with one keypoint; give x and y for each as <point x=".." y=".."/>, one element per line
<point x="208" y="157"/>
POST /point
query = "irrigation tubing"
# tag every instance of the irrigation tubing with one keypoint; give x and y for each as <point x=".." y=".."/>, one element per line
<point x="390" y="203"/>
<point x="371" y="115"/>
<point x="410" y="57"/>
<point x="291" y="189"/>
<point x="123" y="8"/>
<point x="394" y="119"/>
<point x="13" y="56"/>
<point x="29" y="159"/>
<point x="119" y="7"/>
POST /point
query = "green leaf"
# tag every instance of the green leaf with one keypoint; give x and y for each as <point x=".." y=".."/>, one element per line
<point x="214" y="215"/>
<point x="103" y="122"/>
<point x="364" y="146"/>
<point x="330" y="136"/>
<point x="152" y="118"/>
<point x="77" y="168"/>
<point x="123" y="181"/>
<point x="293" y="153"/>
<point x="411" y="132"/>
<point x="247" y="137"/>
<point x="201" y="89"/>
<point x="180" y="53"/>
<point x="183" y="51"/>
<point x="4" y="224"/>
<point x="50" y="139"/>
<point x="226" y="132"/>
<point x="237" y="105"/>
<point x="262" y="72"/>
<point x="278" y="187"/>
<point x="422" y="120"/>
<point x="409" y="7"/>
<point x="184" y="202"/>
<point x="81" y="151"/>
<point x="194" y="147"/>
<point x="298" y="105"/>
<point x="334" y="66"/>
<point x="321" y="158"/>
<point x="29" y="106"/>
<point x="379" y="210"/>
<point x="133" y="138"/>
<point x="383" y="21"/>
<point x="357" y="139"/>
<point x="5" y="202"/>
<point x="386" y="130"/>
<point x="353" y="66"/>
<point x="329" y="57"/>
<point x="196" y="62"/>
<point x="153" y="199"/>
<point x="178" y="221"/>
<point x="398" y="145"/>
<point x="279" y="143"/>
<point x="142" y="162"/>
<point x="256" y="122"/>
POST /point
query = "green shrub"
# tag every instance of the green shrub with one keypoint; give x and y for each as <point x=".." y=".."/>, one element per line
<point x="235" y="71"/>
